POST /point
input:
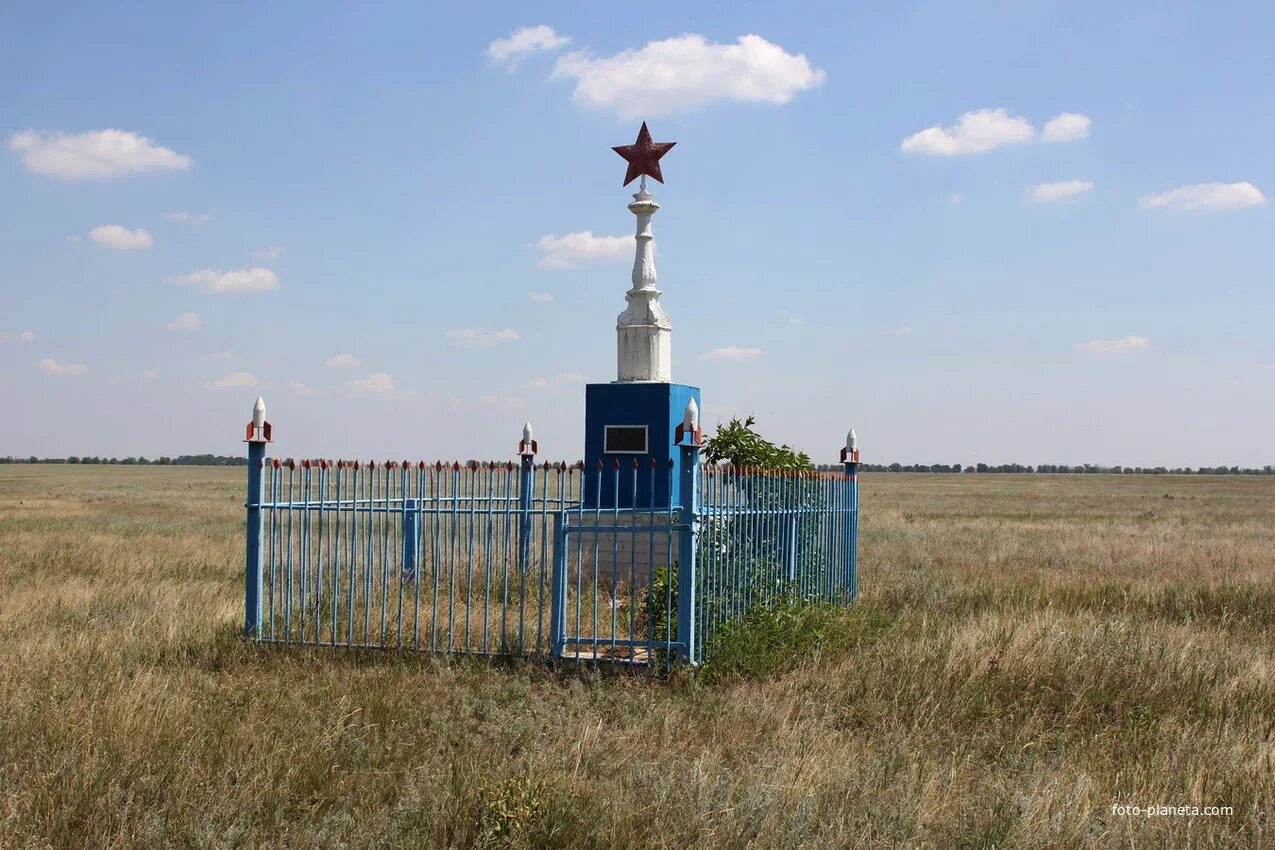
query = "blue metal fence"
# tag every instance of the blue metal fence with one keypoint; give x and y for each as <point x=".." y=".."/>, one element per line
<point x="507" y="559"/>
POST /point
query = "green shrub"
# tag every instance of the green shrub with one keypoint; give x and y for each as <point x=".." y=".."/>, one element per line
<point x="778" y="637"/>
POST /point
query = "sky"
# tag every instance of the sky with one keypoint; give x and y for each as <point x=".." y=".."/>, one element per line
<point x="998" y="232"/>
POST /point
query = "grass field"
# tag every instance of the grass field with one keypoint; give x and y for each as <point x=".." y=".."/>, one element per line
<point x="1027" y="653"/>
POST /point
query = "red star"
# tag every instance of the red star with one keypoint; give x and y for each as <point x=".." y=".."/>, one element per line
<point x="643" y="156"/>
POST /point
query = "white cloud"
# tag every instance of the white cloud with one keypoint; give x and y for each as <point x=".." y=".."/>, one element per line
<point x="730" y="353"/>
<point x="95" y="154"/>
<point x="955" y="198"/>
<point x="1114" y="346"/>
<point x="542" y="297"/>
<point x="1047" y="193"/>
<point x="578" y="378"/>
<point x="900" y="330"/>
<point x="190" y="217"/>
<point x="73" y="238"/>
<point x="974" y="132"/>
<point x="53" y="367"/>
<point x="538" y="385"/>
<point x="687" y="71"/>
<point x="575" y="249"/>
<point x="222" y="355"/>
<point x="523" y="42"/>
<point x="121" y="238"/>
<point x="1207" y="196"/>
<point x="230" y="283"/>
<point x="987" y="129"/>
<point x="26" y="336"/>
<point x="185" y="322"/>
<point x="271" y="253"/>
<point x="300" y="388"/>
<point x="234" y="381"/>
<point x="377" y="383"/>
<point x="790" y="319"/>
<point x="481" y="337"/>
<point x="341" y="360"/>
<point x="1067" y="127"/>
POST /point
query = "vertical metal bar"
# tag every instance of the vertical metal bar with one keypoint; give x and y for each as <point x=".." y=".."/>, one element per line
<point x="252" y="559"/>
<point x="375" y="517"/>
<point x="633" y="532"/>
<point x="789" y="539"/>
<point x="403" y="540"/>
<point x="675" y="534"/>
<point x="472" y="491"/>
<point x="453" y="562"/>
<point x="597" y="523"/>
<point x="287" y="611"/>
<point x="419" y="547"/>
<point x="836" y="509"/>
<point x="737" y="581"/>
<point x="271" y="518"/>
<point x="835" y="541"/>
<point x="701" y="589"/>
<point x="708" y="545"/>
<point x="652" y="520"/>
<point x="336" y="550"/>
<point x="767" y="536"/>
<point x="351" y="550"/>
<point x="615" y="551"/>
<point x="380" y="495"/>
<point x="303" y="567"/>
<point x="854" y="534"/>
<point x="320" y="586"/>
<point x="487" y="550"/>
<point x="558" y="593"/>
<point x="746" y="537"/>
<point x="526" y="486"/>
<point x="437" y="491"/>
<point x="362" y="550"/>
<point x="580" y="527"/>
<point x="368" y="521"/>
<point x="689" y="534"/>
<point x="544" y="535"/>
<point x="506" y="558"/>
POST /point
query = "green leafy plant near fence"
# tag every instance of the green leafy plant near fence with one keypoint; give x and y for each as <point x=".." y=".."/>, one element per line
<point x="770" y="639"/>
<point x="737" y="443"/>
<point x="782" y="623"/>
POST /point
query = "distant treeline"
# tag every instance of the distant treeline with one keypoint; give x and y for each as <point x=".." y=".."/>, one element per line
<point x="180" y="460"/>
<point x="1046" y="468"/>
<point x="1061" y="469"/>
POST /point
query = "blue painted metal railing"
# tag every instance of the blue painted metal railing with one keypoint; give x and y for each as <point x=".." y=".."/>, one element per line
<point x="506" y="559"/>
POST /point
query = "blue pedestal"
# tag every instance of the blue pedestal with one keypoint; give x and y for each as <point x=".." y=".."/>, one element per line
<point x="621" y="413"/>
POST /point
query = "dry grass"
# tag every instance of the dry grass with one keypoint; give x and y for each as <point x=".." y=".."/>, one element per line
<point x="1028" y="651"/>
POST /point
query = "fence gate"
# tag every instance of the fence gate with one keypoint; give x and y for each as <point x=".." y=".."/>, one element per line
<point x="511" y="559"/>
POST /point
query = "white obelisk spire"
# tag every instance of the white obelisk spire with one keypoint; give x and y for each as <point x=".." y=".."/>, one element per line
<point x="644" y="345"/>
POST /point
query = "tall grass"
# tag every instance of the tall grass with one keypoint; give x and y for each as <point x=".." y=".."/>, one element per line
<point x="1028" y="652"/>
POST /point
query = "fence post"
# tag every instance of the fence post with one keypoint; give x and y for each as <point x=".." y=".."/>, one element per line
<point x="789" y="543"/>
<point x="257" y="436"/>
<point x="558" y="590"/>
<point x="527" y="448"/>
<point x="850" y="531"/>
<point x="689" y="437"/>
